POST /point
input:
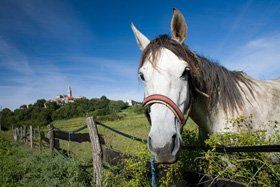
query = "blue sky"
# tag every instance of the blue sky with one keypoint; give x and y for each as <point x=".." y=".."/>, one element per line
<point x="47" y="45"/>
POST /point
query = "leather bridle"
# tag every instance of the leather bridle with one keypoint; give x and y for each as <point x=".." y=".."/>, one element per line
<point x="161" y="99"/>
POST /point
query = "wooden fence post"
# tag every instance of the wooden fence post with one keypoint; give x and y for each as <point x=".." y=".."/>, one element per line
<point x="40" y="138"/>
<point x="15" y="134"/>
<point x="24" y="133"/>
<point x="51" y="137"/>
<point x="21" y="133"/>
<point x="18" y="133"/>
<point x="96" y="151"/>
<point x="31" y="136"/>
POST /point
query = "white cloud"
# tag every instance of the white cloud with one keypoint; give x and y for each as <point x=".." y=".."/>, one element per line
<point x="259" y="58"/>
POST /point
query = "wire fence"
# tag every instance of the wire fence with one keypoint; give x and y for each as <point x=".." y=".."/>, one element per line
<point x="54" y="134"/>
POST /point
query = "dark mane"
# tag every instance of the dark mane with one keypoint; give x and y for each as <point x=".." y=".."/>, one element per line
<point x="209" y="77"/>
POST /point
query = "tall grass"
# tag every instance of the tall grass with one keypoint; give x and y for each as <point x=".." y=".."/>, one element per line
<point x="21" y="166"/>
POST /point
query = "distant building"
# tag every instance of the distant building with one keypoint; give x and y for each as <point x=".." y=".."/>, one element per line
<point x="61" y="99"/>
<point x="69" y="93"/>
<point x="80" y="97"/>
<point x="132" y="102"/>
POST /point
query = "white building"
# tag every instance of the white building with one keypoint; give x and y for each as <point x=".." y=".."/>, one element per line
<point x="60" y="99"/>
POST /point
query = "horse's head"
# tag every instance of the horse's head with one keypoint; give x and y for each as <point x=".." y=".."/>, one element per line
<point x="167" y="90"/>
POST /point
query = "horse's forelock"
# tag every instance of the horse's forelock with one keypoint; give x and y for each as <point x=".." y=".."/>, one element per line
<point x="152" y="51"/>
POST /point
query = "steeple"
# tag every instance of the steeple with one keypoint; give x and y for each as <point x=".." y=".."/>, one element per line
<point x="69" y="93"/>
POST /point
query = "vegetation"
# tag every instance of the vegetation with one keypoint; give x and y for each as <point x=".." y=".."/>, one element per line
<point x="131" y="123"/>
<point x="252" y="169"/>
<point x="23" y="167"/>
<point x="43" y="112"/>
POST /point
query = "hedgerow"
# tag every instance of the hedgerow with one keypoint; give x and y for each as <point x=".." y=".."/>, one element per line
<point x="253" y="169"/>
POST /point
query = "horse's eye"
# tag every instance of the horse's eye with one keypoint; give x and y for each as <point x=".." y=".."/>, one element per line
<point x="141" y="75"/>
<point x="184" y="75"/>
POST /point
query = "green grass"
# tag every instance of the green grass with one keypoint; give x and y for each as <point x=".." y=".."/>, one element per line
<point x="132" y="124"/>
<point x="254" y="169"/>
<point x="22" y="166"/>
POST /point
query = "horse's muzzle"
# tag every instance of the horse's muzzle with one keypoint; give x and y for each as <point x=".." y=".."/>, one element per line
<point x="164" y="153"/>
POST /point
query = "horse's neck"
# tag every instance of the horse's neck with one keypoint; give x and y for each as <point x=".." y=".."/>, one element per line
<point x="264" y="106"/>
<point x="199" y="113"/>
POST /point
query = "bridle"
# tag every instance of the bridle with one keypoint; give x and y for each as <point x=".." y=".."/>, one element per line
<point x="161" y="99"/>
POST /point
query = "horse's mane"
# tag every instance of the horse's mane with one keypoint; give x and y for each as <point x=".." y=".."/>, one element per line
<point x="219" y="83"/>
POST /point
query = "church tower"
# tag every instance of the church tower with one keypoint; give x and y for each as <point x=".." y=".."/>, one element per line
<point x="69" y="93"/>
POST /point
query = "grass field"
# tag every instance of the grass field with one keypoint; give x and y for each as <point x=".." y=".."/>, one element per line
<point x="255" y="169"/>
<point x="133" y="124"/>
<point x="22" y="166"/>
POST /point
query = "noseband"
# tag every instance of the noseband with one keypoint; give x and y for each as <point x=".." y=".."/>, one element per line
<point x="161" y="99"/>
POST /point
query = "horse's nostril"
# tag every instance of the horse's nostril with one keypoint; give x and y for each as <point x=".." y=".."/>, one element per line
<point x="150" y="142"/>
<point x="174" y="136"/>
<point x="173" y="142"/>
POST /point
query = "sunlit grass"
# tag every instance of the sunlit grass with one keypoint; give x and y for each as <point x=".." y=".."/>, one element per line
<point x="132" y="124"/>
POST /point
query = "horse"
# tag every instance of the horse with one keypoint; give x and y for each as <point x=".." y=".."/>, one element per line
<point x="179" y="83"/>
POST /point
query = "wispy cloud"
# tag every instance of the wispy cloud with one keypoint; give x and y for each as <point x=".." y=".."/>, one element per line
<point x="88" y="76"/>
<point x="235" y="25"/>
<point x="27" y="82"/>
<point x="123" y="68"/>
<point x="55" y="19"/>
<point x="12" y="59"/>
<point x="260" y="58"/>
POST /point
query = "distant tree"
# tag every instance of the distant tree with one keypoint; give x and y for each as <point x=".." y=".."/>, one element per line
<point x="7" y="118"/>
<point x="23" y="107"/>
<point x="43" y="112"/>
<point x="138" y="109"/>
<point x="117" y="106"/>
<point x="39" y="103"/>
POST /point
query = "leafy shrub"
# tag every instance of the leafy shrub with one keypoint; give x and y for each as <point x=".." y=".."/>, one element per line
<point x="138" y="109"/>
<point x="110" y="117"/>
<point x="256" y="169"/>
<point x="131" y="171"/>
<point x="117" y="106"/>
<point x="253" y="169"/>
<point x="21" y="167"/>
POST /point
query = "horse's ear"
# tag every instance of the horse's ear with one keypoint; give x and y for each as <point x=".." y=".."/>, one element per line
<point x="178" y="26"/>
<point x="141" y="40"/>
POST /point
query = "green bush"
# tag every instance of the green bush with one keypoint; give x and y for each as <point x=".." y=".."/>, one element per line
<point x="110" y="117"/>
<point x="253" y="169"/>
<point x="131" y="171"/>
<point x="138" y="109"/>
<point x="22" y="167"/>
